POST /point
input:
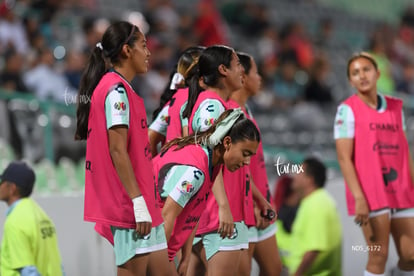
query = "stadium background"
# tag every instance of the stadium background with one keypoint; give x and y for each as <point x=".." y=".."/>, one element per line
<point x="296" y="43"/>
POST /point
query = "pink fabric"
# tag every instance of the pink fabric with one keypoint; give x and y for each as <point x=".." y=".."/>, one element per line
<point x="244" y="175"/>
<point x="106" y="201"/>
<point x="380" y="153"/>
<point x="190" y="215"/>
<point x="174" y="129"/>
<point x="239" y="195"/>
<point x="258" y="168"/>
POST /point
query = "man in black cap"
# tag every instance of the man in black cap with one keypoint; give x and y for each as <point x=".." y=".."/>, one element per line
<point x="29" y="245"/>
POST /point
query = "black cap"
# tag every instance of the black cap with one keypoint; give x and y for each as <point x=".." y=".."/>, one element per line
<point x="20" y="174"/>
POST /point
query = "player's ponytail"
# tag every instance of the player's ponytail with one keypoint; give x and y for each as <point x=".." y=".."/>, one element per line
<point x="94" y="71"/>
<point x="193" y="90"/>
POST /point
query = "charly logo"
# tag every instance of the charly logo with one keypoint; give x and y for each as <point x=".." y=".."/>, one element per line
<point x="187" y="187"/>
<point x="120" y="106"/>
<point x="287" y="168"/>
<point x="384" y="127"/>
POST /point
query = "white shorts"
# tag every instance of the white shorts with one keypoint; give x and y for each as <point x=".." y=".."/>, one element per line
<point x="393" y="213"/>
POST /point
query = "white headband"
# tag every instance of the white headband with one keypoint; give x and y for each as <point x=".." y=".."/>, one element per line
<point x="224" y="127"/>
<point x="99" y="45"/>
<point x="176" y="79"/>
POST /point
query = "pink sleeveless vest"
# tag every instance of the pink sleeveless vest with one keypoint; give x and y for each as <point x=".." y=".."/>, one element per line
<point x="237" y="186"/>
<point x="106" y="201"/>
<point x="244" y="175"/>
<point x="205" y="95"/>
<point x="190" y="215"/>
<point x="174" y="128"/>
<point x="258" y="167"/>
<point x="381" y="156"/>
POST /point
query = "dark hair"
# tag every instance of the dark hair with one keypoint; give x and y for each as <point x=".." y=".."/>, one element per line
<point x="114" y="38"/>
<point x="24" y="191"/>
<point x="365" y="55"/>
<point x="207" y="69"/>
<point x="242" y="129"/>
<point x="245" y="61"/>
<point x="283" y="190"/>
<point x="186" y="66"/>
<point x="315" y="169"/>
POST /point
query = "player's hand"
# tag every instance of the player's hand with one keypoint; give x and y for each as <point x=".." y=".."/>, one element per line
<point x="143" y="228"/>
<point x="142" y="216"/>
<point x="260" y="221"/>
<point x="226" y="223"/>
<point x="182" y="267"/>
<point x="361" y="211"/>
<point x="267" y="211"/>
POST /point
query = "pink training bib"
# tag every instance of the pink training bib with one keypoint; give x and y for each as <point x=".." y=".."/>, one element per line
<point x="190" y="215"/>
<point x="106" y="201"/>
<point x="174" y="129"/>
<point x="381" y="156"/>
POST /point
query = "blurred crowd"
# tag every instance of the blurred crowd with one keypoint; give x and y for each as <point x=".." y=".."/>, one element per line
<point x="44" y="45"/>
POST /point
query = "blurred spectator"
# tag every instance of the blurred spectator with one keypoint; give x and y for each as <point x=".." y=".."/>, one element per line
<point x="165" y="16"/>
<point x="10" y="77"/>
<point x="46" y="82"/>
<point x="209" y="25"/>
<point x="287" y="90"/>
<point x="93" y="29"/>
<point x="268" y="43"/>
<point x="12" y="32"/>
<point x="287" y="202"/>
<point x="286" y="52"/>
<point x="324" y="38"/>
<point x="297" y="44"/>
<point x="377" y="48"/>
<point x="75" y="63"/>
<point x="317" y="90"/>
<point x="405" y="83"/>
<point x="316" y="231"/>
<point x="248" y="17"/>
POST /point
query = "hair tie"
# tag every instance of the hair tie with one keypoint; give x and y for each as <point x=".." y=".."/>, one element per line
<point x="223" y="127"/>
<point x="99" y="45"/>
<point x="176" y="80"/>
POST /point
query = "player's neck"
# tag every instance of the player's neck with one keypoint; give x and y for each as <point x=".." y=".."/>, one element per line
<point x="240" y="96"/>
<point x="222" y="92"/>
<point x="371" y="99"/>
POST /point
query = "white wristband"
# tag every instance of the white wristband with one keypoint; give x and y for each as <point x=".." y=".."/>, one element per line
<point x="140" y="210"/>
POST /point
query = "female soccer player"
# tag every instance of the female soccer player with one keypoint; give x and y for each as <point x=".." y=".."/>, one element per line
<point x="119" y="185"/>
<point x="219" y="71"/>
<point x="185" y="183"/>
<point x="262" y="241"/>
<point x="168" y="122"/>
<point x="375" y="160"/>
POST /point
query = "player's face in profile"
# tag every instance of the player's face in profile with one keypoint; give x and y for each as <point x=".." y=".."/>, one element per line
<point x="235" y="73"/>
<point x="252" y="81"/>
<point x="140" y="54"/>
<point x="238" y="154"/>
<point x="363" y="75"/>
